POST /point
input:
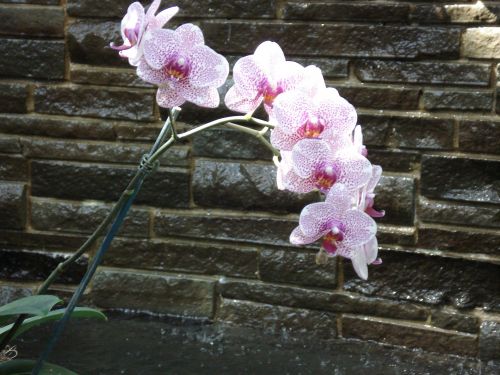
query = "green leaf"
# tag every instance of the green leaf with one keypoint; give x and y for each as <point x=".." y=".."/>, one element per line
<point x="32" y="305"/>
<point x="79" y="312"/>
<point x="24" y="367"/>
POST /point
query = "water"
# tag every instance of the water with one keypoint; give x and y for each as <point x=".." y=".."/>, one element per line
<point x="154" y="346"/>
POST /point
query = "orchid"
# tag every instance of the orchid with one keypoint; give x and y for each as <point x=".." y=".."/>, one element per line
<point x="367" y="195"/>
<point x="136" y="24"/>
<point x="183" y="67"/>
<point x="262" y="77"/>
<point x="316" y="164"/>
<point x="300" y="114"/>
<point x="344" y="229"/>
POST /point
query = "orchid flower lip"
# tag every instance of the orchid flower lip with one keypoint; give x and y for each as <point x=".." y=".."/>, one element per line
<point x="325" y="176"/>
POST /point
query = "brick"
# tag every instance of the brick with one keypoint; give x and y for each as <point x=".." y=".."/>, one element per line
<point x="33" y="21"/>
<point x="331" y="68"/>
<point x="395" y="160"/>
<point x="346" y="11"/>
<point x="11" y="292"/>
<point x="429" y="279"/>
<point x="396" y="234"/>
<point x="13" y="97"/>
<point x="12" y="205"/>
<point x="13" y="168"/>
<point x="458" y="178"/>
<point x="458" y="100"/>
<point x="447" y="318"/>
<point x="25" y="58"/>
<point x="39" y="125"/>
<point x="407" y="132"/>
<point x="180" y="295"/>
<point x="481" y="43"/>
<point x="296" y="267"/>
<point x="479" y="136"/>
<point x="184" y="256"/>
<point x="188" y="8"/>
<point x="410" y="335"/>
<point x="243" y="185"/>
<point x="66" y="180"/>
<point x="110" y="152"/>
<point x="380" y="97"/>
<point x="337" y="40"/>
<point x="277" y="319"/>
<point x="36" y="265"/>
<point x="92" y="75"/>
<point x="41" y="240"/>
<point x="251" y="228"/>
<point x="44" y="2"/>
<point x="122" y="104"/>
<point x="448" y="73"/>
<point x="454" y="13"/>
<point x="489" y="340"/>
<point x="10" y="145"/>
<point x="84" y="217"/>
<point x="458" y="213"/>
<point x="395" y="196"/>
<point x="457" y="239"/>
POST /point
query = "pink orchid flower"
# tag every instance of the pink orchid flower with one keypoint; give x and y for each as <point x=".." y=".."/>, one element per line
<point x="358" y="141"/>
<point x="134" y="26"/>
<point x="317" y="165"/>
<point x="262" y="77"/>
<point x="299" y="115"/>
<point x="367" y="195"/>
<point x="183" y="67"/>
<point x="344" y="230"/>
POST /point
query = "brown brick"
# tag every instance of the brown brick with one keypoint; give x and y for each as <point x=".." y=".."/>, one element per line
<point x="33" y="21"/>
<point x="13" y="168"/>
<point x="481" y="43"/>
<point x="458" y="100"/>
<point x="13" y="97"/>
<point x="479" y="136"/>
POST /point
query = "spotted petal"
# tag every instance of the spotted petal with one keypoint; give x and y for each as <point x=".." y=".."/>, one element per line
<point x="146" y="73"/>
<point x="237" y="102"/>
<point x="208" y="68"/>
<point x="290" y="110"/>
<point x="317" y="219"/>
<point x="359" y="228"/>
<point x="355" y="170"/>
<point x="189" y="35"/>
<point x="248" y="76"/>
<point x="159" y="46"/>
<point x="284" y="141"/>
<point x="293" y="182"/>
<point x="337" y="112"/>
<point x="169" y="97"/>
<point x="152" y="8"/>
<point x="163" y="17"/>
<point x="297" y="237"/>
<point x="371" y="250"/>
<point x="340" y="198"/>
<point x="307" y="154"/>
<point x="203" y="96"/>
<point x="359" y="263"/>
<point x="375" y="178"/>
<point x="269" y="56"/>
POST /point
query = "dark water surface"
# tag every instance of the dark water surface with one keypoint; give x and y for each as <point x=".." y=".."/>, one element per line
<point x="154" y="346"/>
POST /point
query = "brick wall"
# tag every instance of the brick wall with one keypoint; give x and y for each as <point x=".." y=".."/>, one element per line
<point x="208" y="236"/>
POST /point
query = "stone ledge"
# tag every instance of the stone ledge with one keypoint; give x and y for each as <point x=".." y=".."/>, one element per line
<point x="33" y="20"/>
<point x="13" y="205"/>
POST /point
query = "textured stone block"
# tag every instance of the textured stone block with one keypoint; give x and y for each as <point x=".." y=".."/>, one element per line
<point x="454" y="13"/>
<point x="244" y="186"/>
<point x="479" y="136"/>
<point x="123" y="104"/>
<point x="25" y="58"/>
<point x="395" y="160"/>
<point x="448" y="73"/>
<point x="457" y="178"/>
<point x="13" y="97"/>
<point x="41" y="240"/>
<point x="44" y="2"/>
<point x="396" y="234"/>
<point x="12" y="205"/>
<point x="395" y="196"/>
<point x="431" y="280"/>
<point x="65" y="180"/>
<point x="489" y="340"/>
<point x="92" y="75"/>
<point x="10" y="292"/>
<point x="57" y="127"/>
<point x="85" y="217"/>
<point x="458" y="100"/>
<point x="10" y="145"/>
<point x="454" y="320"/>
<point x="481" y="43"/>
<point x="32" y="21"/>
<point x="407" y="132"/>
<point x="458" y="213"/>
<point x="13" y="168"/>
<point x="410" y="335"/>
<point x="252" y="228"/>
<point x="31" y="265"/>
<point x="184" y="256"/>
<point x="277" y="319"/>
<point x="346" y="11"/>
<point x="332" y="39"/>
<point x="331" y="68"/>
<point x="287" y="266"/>
<point x="380" y="97"/>
<point x="179" y="295"/>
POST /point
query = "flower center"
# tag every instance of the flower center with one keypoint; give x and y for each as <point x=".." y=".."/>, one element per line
<point x="313" y="127"/>
<point x="269" y="92"/>
<point x="325" y="176"/>
<point x="331" y="239"/>
<point x="177" y="68"/>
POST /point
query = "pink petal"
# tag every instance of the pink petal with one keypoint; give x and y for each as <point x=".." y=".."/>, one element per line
<point x="147" y="74"/>
<point x="293" y="182"/>
<point x="288" y="75"/>
<point x="284" y="141"/>
<point x="355" y="170"/>
<point x="189" y="35"/>
<point x="313" y="81"/>
<point x="337" y="112"/>
<point x="284" y="166"/>
<point x="168" y="97"/>
<point x="248" y="76"/>
<point x="359" y="263"/>
<point x="203" y="96"/>
<point x="375" y="178"/>
<point x="359" y="228"/>
<point x="239" y="103"/>
<point x="269" y="56"/>
<point x="299" y="238"/>
<point x="135" y="15"/>
<point x="208" y="68"/>
<point x="307" y="154"/>
<point x="358" y="139"/>
<point x="371" y="250"/>
<point x="159" y="46"/>
<point x="290" y="110"/>
<point x="317" y="219"/>
<point x="164" y="16"/>
<point x="340" y="198"/>
<point x="152" y="8"/>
